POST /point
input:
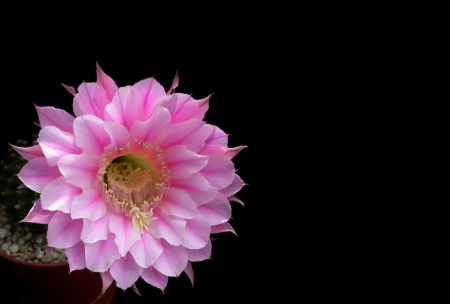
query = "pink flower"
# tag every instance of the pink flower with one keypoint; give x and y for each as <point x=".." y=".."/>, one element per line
<point x="134" y="184"/>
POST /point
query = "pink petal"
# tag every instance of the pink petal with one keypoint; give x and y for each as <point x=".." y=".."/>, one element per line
<point x="125" y="271"/>
<point x="126" y="235"/>
<point x="182" y="162"/>
<point x="29" y="153"/>
<point x="49" y="116"/>
<point x="155" y="278"/>
<point x="235" y="199"/>
<point x="174" y="85"/>
<point x="48" y="251"/>
<point x="168" y="227"/>
<point x="135" y="289"/>
<point x="119" y="136"/>
<point x="218" y="211"/>
<point x="90" y="134"/>
<point x="177" y="202"/>
<point x="155" y="129"/>
<point x="76" y="257"/>
<point x="80" y="170"/>
<point x="172" y="261"/>
<point x="146" y="250"/>
<point x="232" y="152"/>
<point x="36" y="174"/>
<point x="107" y="280"/>
<point x="197" y="232"/>
<point x="151" y="93"/>
<point x="90" y="100"/>
<point x="106" y="82"/>
<point x="38" y="215"/>
<point x="58" y="195"/>
<point x="197" y="255"/>
<point x="63" y="232"/>
<point x="100" y="255"/>
<point x="190" y="273"/>
<point x="198" y="188"/>
<point x="94" y="231"/>
<point x="216" y="138"/>
<point x="203" y="105"/>
<point x="191" y="133"/>
<point x="125" y="108"/>
<point x="234" y="187"/>
<point x="219" y="171"/>
<point x="70" y="89"/>
<point x="183" y="107"/>
<point x="224" y="227"/>
<point x="56" y="144"/>
<point x="90" y="205"/>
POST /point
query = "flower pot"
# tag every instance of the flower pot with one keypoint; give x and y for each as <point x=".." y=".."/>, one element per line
<point x="33" y="283"/>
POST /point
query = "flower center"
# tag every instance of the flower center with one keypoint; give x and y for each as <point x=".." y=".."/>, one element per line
<point x="135" y="183"/>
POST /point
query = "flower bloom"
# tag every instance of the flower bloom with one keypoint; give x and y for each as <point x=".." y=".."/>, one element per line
<point x="134" y="184"/>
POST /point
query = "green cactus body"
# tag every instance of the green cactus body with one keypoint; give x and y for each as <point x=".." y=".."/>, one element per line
<point x="16" y="199"/>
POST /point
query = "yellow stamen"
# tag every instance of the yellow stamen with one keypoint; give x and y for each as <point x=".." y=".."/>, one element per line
<point x="135" y="183"/>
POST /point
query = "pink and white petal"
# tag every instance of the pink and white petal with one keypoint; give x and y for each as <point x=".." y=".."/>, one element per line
<point x="177" y="202"/>
<point x="90" y="100"/>
<point x="183" y="107"/>
<point x="168" y="227"/>
<point x="197" y="232"/>
<point x="146" y="250"/>
<point x="198" y="188"/>
<point x="216" y="138"/>
<point x="58" y="195"/>
<point x="94" y="231"/>
<point x="224" y="227"/>
<point x="90" y="134"/>
<point x="80" y="170"/>
<point x="126" y="235"/>
<point x="189" y="272"/>
<point x="191" y="133"/>
<point x="125" y="108"/>
<point x="151" y="93"/>
<point x="197" y="255"/>
<point x="56" y="144"/>
<point x="36" y="174"/>
<point x="76" y="257"/>
<point x="100" y="255"/>
<point x="155" y="278"/>
<point x="217" y="211"/>
<point x="174" y="85"/>
<point x="172" y="261"/>
<point x="232" y="152"/>
<point x="155" y="129"/>
<point x="106" y="82"/>
<point x="234" y="187"/>
<point x="119" y="136"/>
<point x="63" y="231"/>
<point x="183" y="162"/>
<point x="50" y="116"/>
<point x="136" y="290"/>
<point x="90" y="205"/>
<point x="37" y="214"/>
<point x="29" y="153"/>
<point x="219" y="171"/>
<point x="70" y="89"/>
<point x="235" y="199"/>
<point x="125" y="271"/>
<point x="107" y="280"/>
<point x="203" y="105"/>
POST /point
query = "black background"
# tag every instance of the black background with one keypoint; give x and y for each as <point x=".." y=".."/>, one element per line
<point x="237" y="70"/>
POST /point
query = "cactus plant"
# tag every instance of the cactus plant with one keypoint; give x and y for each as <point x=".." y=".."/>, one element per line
<point x="16" y="200"/>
